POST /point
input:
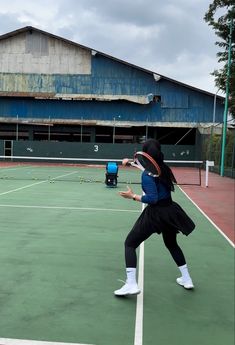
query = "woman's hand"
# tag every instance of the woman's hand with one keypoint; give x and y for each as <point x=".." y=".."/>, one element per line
<point x="126" y="161"/>
<point x="127" y="194"/>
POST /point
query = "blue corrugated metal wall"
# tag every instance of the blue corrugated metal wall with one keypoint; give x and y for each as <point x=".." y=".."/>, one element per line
<point x="45" y="109"/>
<point x="121" y="110"/>
<point x="110" y="77"/>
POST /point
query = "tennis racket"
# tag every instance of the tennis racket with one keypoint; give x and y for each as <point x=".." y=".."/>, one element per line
<point x="144" y="161"/>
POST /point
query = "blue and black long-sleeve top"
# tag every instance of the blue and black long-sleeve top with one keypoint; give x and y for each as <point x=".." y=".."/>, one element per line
<point x="154" y="189"/>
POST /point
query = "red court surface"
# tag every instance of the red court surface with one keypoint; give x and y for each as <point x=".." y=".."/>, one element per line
<point x="217" y="201"/>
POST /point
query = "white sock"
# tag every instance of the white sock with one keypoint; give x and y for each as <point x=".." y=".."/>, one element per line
<point x="185" y="273"/>
<point x="131" y="275"/>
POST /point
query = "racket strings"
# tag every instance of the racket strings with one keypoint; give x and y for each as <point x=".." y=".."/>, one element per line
<point x="146" y="162"/>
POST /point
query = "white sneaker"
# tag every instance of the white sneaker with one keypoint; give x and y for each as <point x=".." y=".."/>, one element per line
<point x="186" y="284"/>
<point x="127" y="289"/>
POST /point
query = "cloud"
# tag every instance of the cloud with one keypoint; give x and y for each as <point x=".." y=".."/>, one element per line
<point x="8" y="23"/>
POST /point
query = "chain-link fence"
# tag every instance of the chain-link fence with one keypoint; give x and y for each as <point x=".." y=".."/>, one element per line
<point x="211" y="150"/>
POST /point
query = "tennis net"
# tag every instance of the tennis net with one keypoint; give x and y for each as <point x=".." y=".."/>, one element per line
<point x="54" y="169"/>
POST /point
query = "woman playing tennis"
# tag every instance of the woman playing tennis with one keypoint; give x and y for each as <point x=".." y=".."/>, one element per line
<point x="162" y="216"/>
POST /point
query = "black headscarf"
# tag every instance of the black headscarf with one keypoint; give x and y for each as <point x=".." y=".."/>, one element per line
<point x="153" y="148"/>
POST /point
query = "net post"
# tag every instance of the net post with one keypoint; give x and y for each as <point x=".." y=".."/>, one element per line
<point x="208" y="164"/>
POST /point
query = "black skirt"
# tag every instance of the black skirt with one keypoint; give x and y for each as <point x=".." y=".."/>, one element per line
<point x="165" y="215"/>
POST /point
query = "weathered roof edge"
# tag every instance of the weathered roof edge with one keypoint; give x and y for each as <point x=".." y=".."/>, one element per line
<point x="28" y="28"/>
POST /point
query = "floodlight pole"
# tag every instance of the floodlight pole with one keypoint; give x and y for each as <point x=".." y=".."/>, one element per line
<point x="114" y="127"/>
<point x="49" y="129"/>
<point x="81" y="130"/>
<point x="114" y="124"/>
<point x="226" y="100"/>
<point x="146" y="133"/>
<point x="213" y="125"/>
<point x="17" y="128"/>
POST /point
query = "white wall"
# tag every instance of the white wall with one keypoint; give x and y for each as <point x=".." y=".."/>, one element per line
<point x="42" y="54"/>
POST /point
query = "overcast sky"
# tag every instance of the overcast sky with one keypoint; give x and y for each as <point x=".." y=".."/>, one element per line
<point x="168" y="37"/>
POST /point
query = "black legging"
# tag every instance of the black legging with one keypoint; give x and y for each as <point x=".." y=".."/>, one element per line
<point x="136" y="237"/>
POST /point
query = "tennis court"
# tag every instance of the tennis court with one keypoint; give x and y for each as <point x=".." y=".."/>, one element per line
<point x="62" y="255"/>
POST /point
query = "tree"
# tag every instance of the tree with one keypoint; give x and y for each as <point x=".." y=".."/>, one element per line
<point x="221" y="25"/>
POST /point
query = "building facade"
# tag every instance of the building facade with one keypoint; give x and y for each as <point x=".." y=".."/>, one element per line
<point x="57" y="90"/>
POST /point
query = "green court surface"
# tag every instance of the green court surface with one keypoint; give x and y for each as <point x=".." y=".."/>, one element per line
<point x="62" y="253"/>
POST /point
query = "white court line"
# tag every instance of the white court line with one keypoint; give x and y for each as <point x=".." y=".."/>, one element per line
<point x="140" y="298"/>
<point x="20" y="188"/>
<point x="69" y="208"/>
<point x="34" y="184"/>
<point x="9" y="341"/>
<point x="211" y="221"/>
